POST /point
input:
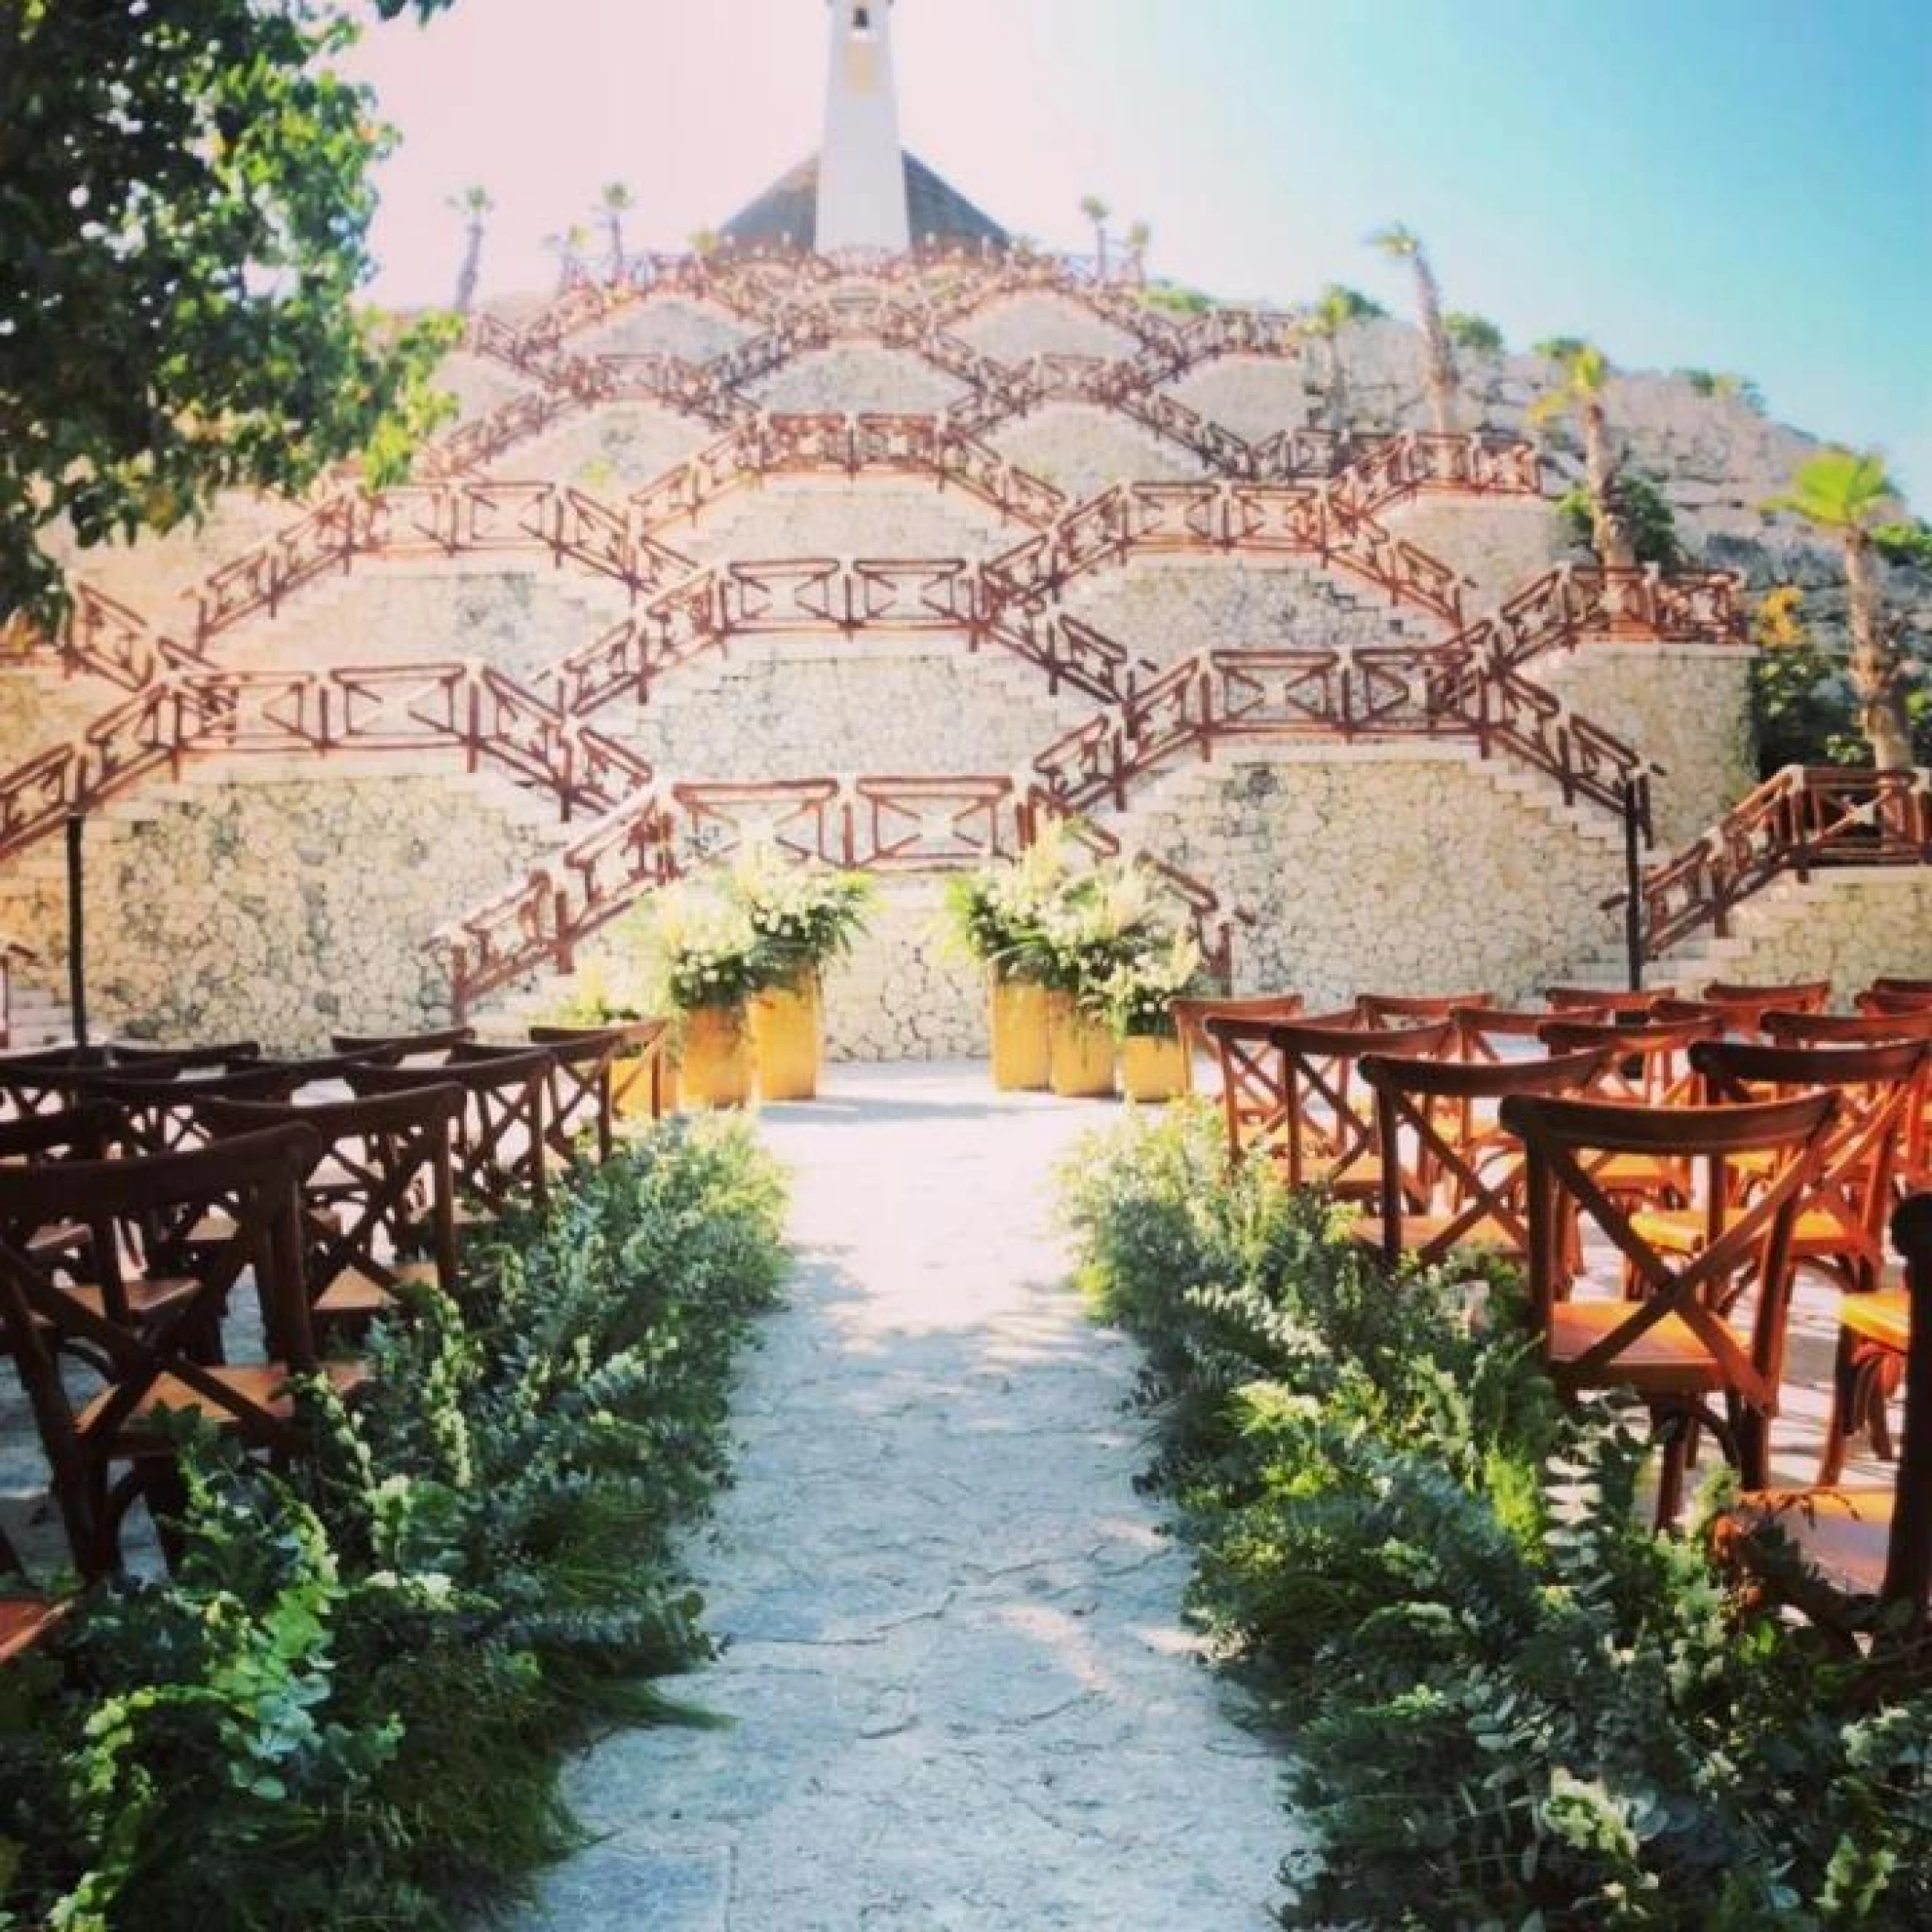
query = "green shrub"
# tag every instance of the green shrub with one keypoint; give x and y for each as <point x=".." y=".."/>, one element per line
<point x="1509" y="1702"/>
<point x="1647" y="515"/>
<point x="347" y="1704"/>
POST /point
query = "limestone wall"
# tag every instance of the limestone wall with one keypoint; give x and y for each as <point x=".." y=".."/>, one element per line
<point x="827" y="516"/>
<point x="1496" y="544"/>
<point x="850" y="377"/>
<point x="479" y="384"/>
<point x="1387" y="870"/>
<point x="277" y="909"/>
<point x="805" y="707"/>
<point x="1081" y="449"/>
<point x="1253" y="395"/>
<point x="672" y="326"/>
<point x="904" y="995"/>
<point x="1025" y="325"/>
<point x="610" y="451"/>
<point x="1683" y="706"/>
<point x="1848" y="925"/>
<point x="1164" y="608"/>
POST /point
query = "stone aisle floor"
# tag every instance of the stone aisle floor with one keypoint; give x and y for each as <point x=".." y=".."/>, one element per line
<point x="961" y="1694"/>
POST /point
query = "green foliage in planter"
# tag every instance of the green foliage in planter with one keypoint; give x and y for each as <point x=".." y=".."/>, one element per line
<point x="1509" y="1703"/>
<point x="1647" y="515"/>
<point x="346" y="1709"/>
<point x="802" y="916"/>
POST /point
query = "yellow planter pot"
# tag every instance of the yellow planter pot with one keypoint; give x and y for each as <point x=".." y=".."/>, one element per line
<point x="785" y="1032"/>
<point x="1151" y="1069"/>
<point x="1018" y="1014"/>
<point x="1081" y="1057"/>
<point x="716" y="1069"/>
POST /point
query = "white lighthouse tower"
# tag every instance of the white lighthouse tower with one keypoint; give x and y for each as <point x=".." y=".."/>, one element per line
<point x="862" y="168"/>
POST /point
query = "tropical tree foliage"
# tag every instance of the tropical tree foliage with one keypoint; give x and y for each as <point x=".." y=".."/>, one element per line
<point x="613" y="202"/>
<point x="182" y="231"/>
<point x="1096" y="212"/>
<point x="1325" y="320"/>
<point x="1849" y="494"/>
<point x="1580" y="379"/>
<point x="1404" y="245"/>
<point x="1644" y="510"/>
<point x="1473" y="334"/>
<point x="476" y="205"/>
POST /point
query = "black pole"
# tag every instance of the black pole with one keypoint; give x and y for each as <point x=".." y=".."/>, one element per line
<point x="76" y="931"/>
<point x="1632" y="886"/>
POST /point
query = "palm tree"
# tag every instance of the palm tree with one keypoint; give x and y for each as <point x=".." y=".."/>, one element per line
<point x="614" y="202"/>
<point x="1325" y="318"/>
<point x="473" y="204"/>
<point x="568" y="247"/>
<point x="1848" y="492"/>
<point x="1096" y="210"/>
<point x="1582" y="377"/>
<point x="1138" y="237"/>
<point x="1400" y="243"/>
<point x="705" y="241"/>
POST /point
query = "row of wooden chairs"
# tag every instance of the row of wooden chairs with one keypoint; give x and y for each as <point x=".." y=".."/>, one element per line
<point x="135" y="1199"/>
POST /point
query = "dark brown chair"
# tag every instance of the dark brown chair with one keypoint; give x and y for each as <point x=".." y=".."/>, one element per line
<point x="380" y="1192"/>
<point x="1484" y="1033"/>
<point x="391" y="1047"/>
<point x="160" y="1363"/>
<point x="1190" y="1019"/>
<point x="500" y="1137"/>
<point x="596" y="1072"/>
<point x="1792" y="996"/>
<point x="1606" y="999"/>
<point x="1423" y="1114"/>
<point x="1404" y="1009"/>
<point x="1846" y="1029"/>
<point x="141" y="1055"/>
<point x="1668" y="1343"/>
<point x="1866" y="1550"/>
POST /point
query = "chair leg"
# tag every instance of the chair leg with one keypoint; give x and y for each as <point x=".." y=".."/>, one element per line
<point x="1673" y="1435"/>
<point x="1844" y="1417"/>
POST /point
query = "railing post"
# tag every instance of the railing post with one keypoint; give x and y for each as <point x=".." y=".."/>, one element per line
<point x="1632" y="886"/>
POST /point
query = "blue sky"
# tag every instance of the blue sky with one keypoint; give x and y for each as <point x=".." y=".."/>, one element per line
<point x="1731" y="184"/>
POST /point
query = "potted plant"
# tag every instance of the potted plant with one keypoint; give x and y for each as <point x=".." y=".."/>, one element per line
<point x="709" y="964"/>
<point x="608" y="995"/>
<point x="1137" y="999"/>
<point x="802" y="916"/>
<point x="993" y="917"/>
<point x="1099" y="921"/>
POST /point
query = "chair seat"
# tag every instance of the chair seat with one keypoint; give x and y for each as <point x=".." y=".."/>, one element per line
<point x="145" y="1298"/>
<point x="1845" y="1532"/>
<point x="260" y="1384"/>
<point x="354" y="1293"/>
<point x="1415" y="1232"/>
<point x="1681" y="1230"/>
<point x="1647" y="1174"/>
<point x="24" y="1620"/>
<point x="1669" y="1358"/>
<point x="1883" y="1317"/>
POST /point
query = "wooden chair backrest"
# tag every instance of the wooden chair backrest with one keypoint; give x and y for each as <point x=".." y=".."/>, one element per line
<point x="1648" y="1066"/>
<point x="389" y="1046"/>
<point x="1606" y="999"/>
<point x="1885" y="999"/>
<point x="592" y="1072"/>
<point x="164" y="1116"/>
<point x="1901" y="986"/>
<point x="1480" y="1030"/>
<point x="1877" y="1129"/>
<point x="500" y="1141"/>
<point x="1290" y="1090"/>
<point x="141" y="1055"/>
<point x="1793" y="996"/>
<point x="383" y="1180"/>
<point x="1429" y="1103"/>
<point x="1396" y="1009"/>
<point x="1846" y="1029"/>
<point x="1908" y="1556"/>
<point x="1190" y="1016"/>
<point x="1565" y="1139"/>
<point x="75" y="1133"/>
<point x="254" y="1179"/>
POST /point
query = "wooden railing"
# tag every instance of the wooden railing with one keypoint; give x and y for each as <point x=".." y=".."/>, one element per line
<point x="879" y="824"/>
<point x="1801" y="819"/>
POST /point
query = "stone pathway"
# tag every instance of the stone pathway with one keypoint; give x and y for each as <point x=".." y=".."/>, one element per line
<point x="961" y="1694"/>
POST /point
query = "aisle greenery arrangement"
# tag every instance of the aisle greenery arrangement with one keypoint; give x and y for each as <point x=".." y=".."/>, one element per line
<point x="802" y="916"/>
<point x="346" y="1709"/>
<point x="1505" y="1702"/>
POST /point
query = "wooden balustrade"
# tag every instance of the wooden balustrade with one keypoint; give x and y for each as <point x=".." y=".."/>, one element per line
<point x="1801" y="819"/>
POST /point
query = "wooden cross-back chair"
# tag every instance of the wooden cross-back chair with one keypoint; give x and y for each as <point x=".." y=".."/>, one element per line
<point x="161" y="1362"/>
<point x="1190" y="1017"/>
<point x="391" y="1047"/>
<point x="1901" y="992"/>
<point x="1866" y="1549"/>
<point x="1788" y="996"/>
<point x="1606" y="999"/>
<point x="1487" y="1033"/>
<point x="1290" y="1093"/>
<point x="500" y="1143"/>
<point x="1404" y="1009"/>
<point x="380" y="1194"/>
<point x="1846" y="1029"/>
<point x="1668" y="1343"/>
<point x="141" y="1055"/>
<point x="1431" y="1117"/>
<point x="595" y="1072"/>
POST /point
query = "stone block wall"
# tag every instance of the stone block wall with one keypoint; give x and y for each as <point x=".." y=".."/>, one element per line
<point x="698" y="331"/>
<point x="1082" y="450"/>
<point x="1253" y="395"/>
<point x="827" y="516"/>
<point x="1035" y="324"/>
<point x="1683" y="706"/>
<point x="903" y="994"/>
<point x="1495" y="544"/>
<point x="850" y="378"/>
<point x="1849" y="926"/>
<point x="610" y="452"/>
<point x="1387" y="870"/>
<point x="279" y="909"/>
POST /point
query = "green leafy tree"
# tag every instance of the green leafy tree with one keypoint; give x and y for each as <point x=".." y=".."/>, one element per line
<point x="1096" y="210"/>
<point x="1138" y="237"/>
<point x="613" y="203"/>
<point x="183" y="227"/>
<point x="1335" y="309"/>
<point x="1848" y="492"/>
<point x="1644" y="510"/>
<point x="1579" y="383"/>
<point x="1404" y="245"/>
<point x="1473" y="334"/>
<point x="475" y="206"/>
